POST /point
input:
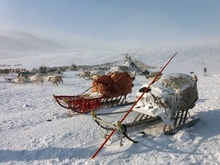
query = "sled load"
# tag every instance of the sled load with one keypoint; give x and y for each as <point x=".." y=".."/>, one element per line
<point x="106" y="91"/>
<point x="168" y="99"/>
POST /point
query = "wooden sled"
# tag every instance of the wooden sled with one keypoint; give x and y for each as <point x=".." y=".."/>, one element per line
<point x="106" y="91"/>
<point x="84" y="104"/>
<point x="11" y="80"/>
<point x="182" y="120"/>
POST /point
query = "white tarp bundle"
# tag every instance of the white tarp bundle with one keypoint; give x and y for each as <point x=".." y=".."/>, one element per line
<point x="170" y="94"/>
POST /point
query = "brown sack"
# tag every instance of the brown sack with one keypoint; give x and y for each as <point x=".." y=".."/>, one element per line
<point x="104" y="80"/>
<point x="113" y="85"/>
<point x="97" y="84"/>
<point x="123" y="81"/>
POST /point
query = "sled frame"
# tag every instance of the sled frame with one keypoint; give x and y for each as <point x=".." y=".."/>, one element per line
<point x="182" y="119"/>
<point x="82" y="104"/>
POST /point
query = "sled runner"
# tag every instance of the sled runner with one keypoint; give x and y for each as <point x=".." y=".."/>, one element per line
<point x="107" y="91"/>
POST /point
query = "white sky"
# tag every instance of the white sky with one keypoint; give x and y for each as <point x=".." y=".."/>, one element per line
<point x="149" y="23"/>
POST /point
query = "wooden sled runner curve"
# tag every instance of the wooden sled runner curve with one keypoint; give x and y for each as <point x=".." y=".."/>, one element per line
<point x="121" y="128"/>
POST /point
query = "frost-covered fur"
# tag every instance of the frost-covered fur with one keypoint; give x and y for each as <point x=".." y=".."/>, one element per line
<point x="92" y="75"/>
<point x="19" y="80"/>
<point x="172" y="93"/>
<point x="85" y="74"/>
<point x="95" y="77"/>
<point x="37" y="79"/>
<point x="56" y="79"/>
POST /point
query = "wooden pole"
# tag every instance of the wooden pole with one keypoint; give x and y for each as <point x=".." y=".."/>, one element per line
<point x="113" y="131"/>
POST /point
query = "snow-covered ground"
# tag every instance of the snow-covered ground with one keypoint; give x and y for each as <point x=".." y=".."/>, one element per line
<point x="36" y="130"/>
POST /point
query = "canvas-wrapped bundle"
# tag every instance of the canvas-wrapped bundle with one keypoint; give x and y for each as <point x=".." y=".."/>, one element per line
<point x="113" y="85"/>
<point x="167" y="96"/>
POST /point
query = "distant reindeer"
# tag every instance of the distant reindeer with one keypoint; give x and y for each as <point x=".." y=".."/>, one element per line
<point x="36" y="79"/>
<point x="56" y="79"/>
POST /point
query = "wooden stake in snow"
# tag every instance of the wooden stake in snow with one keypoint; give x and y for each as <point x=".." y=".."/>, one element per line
<point x="113" y="131"/>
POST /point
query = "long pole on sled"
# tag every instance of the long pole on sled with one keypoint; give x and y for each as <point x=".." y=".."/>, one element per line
<point x="113" y="131"/>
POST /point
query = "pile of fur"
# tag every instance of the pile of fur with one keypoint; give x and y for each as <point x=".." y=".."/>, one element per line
<point x="167" y="96"/>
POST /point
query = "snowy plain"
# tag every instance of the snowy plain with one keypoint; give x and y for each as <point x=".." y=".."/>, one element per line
<point x="34" y="129"/>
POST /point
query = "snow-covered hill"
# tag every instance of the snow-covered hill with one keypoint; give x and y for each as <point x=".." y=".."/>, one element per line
<point x="30" y="51"/>
<point x="14" y="41"/>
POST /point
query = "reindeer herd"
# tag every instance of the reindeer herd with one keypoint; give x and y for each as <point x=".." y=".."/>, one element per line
<point x="35" y="79"/>
<point x="55" y="79"/>
<point x="93" y="75"/>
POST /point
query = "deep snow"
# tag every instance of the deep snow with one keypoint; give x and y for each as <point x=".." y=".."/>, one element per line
<point x="36" y="130"/>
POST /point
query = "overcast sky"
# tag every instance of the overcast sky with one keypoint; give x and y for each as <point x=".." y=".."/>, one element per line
<point x="149" y="23"/>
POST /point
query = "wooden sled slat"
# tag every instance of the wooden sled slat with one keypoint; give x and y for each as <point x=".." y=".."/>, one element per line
<point x="84" y="104"/>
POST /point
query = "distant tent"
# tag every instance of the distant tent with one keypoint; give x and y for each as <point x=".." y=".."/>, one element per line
<point x="131" y="65"/>
<point x="128" y="66"/>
